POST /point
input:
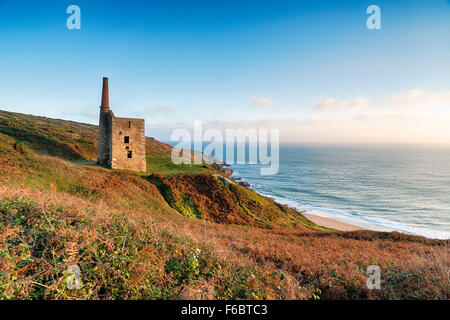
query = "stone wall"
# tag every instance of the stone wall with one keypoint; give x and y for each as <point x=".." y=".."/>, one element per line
<point x="128" y="153"/>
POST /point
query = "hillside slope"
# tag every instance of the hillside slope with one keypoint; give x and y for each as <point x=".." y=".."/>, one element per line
<point x="176" y="231"/>
<point x="78" y="142"/>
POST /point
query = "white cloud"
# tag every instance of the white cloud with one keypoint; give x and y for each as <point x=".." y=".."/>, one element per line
<point x="277" y="123"/>
<point x="381" y="117"/>
<point x="327" y="105"/>
<point x="351" y="120"/>
<point x="261" y="102"/>
<point x="331" y="104"/>
<point x="154" y="110"/>
<point x="356" y="103"/>
<point x="418" y="97"/>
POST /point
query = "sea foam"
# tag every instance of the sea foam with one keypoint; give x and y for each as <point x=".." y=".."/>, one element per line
<point x="360" y="220"/>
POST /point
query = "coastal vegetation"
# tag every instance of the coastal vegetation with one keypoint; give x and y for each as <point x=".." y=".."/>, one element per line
<point x="177" y="232"/>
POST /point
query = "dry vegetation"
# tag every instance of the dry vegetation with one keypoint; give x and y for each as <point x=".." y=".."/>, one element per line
<point x="178" y="236"/>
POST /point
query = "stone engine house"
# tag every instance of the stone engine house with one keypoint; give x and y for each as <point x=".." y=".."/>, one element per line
<point x="121" y="141"/>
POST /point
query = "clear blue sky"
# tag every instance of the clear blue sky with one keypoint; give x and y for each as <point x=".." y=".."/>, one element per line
<point x="275" y="64"/>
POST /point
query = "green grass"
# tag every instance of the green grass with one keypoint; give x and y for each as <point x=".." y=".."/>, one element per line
<point x="65" y="139"/>
<point x="165" y="167"/>
<point x="160" y="165"/>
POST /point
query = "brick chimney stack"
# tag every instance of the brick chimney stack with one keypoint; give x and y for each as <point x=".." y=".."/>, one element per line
<point x="105" y="94"/>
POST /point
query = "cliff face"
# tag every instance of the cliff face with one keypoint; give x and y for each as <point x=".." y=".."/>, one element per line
<point x="215" y="198"/>
<point x="176" y="231"/>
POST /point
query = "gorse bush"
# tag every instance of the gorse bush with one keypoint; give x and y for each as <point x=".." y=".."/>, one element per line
<point x="23" y="149"/>
<point x="185" y="269"/>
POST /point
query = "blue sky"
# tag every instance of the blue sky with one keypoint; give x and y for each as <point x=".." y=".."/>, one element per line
<point x="310" y="68"/>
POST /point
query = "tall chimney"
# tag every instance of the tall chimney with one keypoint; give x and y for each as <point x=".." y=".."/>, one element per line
<point x="105" y="94"/>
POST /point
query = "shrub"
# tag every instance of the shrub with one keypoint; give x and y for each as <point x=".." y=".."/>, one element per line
<point x="24" y="149"/>
<point x="185" y="268"/>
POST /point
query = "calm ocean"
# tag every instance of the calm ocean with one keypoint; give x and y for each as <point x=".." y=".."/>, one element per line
<point x="400" y="188"/>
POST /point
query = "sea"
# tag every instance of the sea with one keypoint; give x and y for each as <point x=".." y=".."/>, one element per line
<point x="385" y="188"/>
<point x="404" y="188"/>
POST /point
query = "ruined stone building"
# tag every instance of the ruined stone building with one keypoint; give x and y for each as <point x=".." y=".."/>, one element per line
<point x="121" y="141"/>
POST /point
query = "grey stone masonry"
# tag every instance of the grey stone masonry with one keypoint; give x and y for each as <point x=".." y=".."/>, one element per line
<point x="128" y="144"/>
<point x="121" y="141"/>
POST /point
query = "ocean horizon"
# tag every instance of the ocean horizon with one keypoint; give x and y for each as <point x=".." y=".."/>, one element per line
<point x="404" y="188"/>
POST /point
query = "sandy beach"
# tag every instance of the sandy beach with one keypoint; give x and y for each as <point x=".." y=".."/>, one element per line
<point x="321" y="221"/>
<point x="330" y="223"/>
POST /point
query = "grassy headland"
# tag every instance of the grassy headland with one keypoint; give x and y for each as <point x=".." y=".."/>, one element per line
<point x="177" y="231"/>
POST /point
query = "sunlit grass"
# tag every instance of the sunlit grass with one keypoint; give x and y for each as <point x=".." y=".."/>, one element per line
<point x="178" y="232"/>
<point x="165" y="166"/>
